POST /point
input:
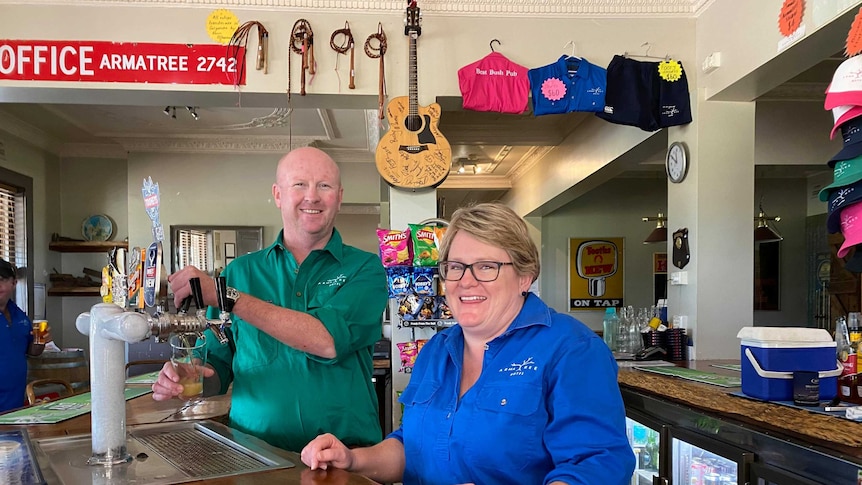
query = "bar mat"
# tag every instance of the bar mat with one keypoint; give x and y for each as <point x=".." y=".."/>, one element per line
<point x="60" y="410"/>
<point x="148" y="378"/>
<point x="736" y="367"/>
<point x="695" y="375"/>
<point x="644" y="363"/>
<point x="841" y="413"/>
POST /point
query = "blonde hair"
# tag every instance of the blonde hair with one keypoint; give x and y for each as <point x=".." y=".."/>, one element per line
<point x="495" y="224"/>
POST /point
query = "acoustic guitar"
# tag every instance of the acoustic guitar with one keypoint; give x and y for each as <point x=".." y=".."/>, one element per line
<point x="413" y="154"/>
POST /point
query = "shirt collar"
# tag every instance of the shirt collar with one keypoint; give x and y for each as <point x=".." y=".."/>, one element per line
<point x="534" y="312"/>
<point x="583" y="67"/>
<point x="334" y="246"/>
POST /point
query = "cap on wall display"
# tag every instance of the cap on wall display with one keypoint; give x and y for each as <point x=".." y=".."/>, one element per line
<point x="851" y="133"/>
<point x="846" y="85"/>
<point x="839" y="199"/>
<point x="851" y="228"/>
<point x="843" y="114"/>
<point x="845" y="173"/>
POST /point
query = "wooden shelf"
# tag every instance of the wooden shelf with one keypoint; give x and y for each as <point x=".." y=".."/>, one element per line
<point x="74" y="291"/>
<point x="86" y="246"/>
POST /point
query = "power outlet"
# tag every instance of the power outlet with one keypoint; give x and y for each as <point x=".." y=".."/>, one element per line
<point x="679" y="278"/>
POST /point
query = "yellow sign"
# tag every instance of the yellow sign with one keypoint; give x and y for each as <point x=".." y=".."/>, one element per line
<point x="595" y="273"/>
<point x="670" y="70"/>
<point x="221" y="24"/>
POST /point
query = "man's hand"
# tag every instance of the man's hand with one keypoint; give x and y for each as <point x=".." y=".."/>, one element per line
<point x="179" y="282"/>
<point x="167" y="385"/>
<point x="326" y="451"/>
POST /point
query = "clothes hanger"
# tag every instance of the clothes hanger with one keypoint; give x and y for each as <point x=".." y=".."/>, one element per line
<point x="646" y="55"/>
<point x="572" y="61"/>
<point x="492" y="44"/>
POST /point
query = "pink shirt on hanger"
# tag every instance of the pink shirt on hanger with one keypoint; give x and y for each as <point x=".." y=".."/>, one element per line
<point x="494" y="83"/>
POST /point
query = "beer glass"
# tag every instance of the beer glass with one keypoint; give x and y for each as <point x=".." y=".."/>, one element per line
<point x="188" y="356"/>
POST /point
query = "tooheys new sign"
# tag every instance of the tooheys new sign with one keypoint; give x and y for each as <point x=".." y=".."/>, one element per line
<point x="132" y="62"/>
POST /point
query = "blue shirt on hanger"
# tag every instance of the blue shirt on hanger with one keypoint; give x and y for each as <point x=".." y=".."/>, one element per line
<point x="546" y="407"/>
<point x="570" y="84"/>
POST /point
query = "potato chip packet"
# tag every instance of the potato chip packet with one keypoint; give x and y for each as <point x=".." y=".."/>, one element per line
<point x="423" y="281"/>
<point x="424" y="245"/>
<point x="408" y="352"/>
<point x="399" y="280"/>
<point x="394" y="247"/>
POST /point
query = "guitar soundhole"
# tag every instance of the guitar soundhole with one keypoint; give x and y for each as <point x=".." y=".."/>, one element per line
<point x="413" y="122"/>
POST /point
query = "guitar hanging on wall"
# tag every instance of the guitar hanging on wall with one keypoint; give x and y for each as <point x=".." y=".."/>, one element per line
<point x="413" y="154"/>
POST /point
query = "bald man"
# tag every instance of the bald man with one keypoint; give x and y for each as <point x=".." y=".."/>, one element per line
<point x="306" y="315"/>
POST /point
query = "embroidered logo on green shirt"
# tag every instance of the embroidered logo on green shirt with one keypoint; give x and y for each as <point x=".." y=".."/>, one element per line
<point x="337" y="281"/>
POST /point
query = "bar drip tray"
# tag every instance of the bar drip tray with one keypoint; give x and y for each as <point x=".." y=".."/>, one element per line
<point x="161" y="454"/>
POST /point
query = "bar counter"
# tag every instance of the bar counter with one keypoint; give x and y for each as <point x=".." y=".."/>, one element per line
<point x="815" y="440"/>
<point x="145" y="410"/>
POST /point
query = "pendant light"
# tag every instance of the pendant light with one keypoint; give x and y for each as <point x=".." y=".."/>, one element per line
<point x="659" y="234"/>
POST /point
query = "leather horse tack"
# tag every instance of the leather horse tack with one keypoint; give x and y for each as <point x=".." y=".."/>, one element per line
<point x="375" y="53"/>
<point x="302" y="43"/>
<point x="342" y="49"/>
<point x="239" y="41"/>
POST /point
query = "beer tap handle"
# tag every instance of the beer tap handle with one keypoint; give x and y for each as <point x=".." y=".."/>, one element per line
<point x="225" y="304"/>
<point x="197" y="294"/>
<point x="184" y="305"/>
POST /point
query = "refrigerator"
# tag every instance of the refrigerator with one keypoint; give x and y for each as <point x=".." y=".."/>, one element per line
<point x="697" y="459"/>
<point x="645" y="438"/>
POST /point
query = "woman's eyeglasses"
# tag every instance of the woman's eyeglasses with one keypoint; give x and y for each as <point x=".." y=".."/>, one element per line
<point x="483" y="271"/>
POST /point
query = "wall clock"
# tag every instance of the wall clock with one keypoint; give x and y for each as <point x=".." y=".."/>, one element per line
<point x="676" y="162"/>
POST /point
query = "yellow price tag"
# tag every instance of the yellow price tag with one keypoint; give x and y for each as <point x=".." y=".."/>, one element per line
<point x="670" y="70"/>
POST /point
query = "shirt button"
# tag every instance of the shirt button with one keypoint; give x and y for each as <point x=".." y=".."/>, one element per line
<point x="298" y="293"/>
<point x="503" y="402"/>
<point x="448" y="415"/>
<point x="486" y="346"/>
<point x="296" y="271"/>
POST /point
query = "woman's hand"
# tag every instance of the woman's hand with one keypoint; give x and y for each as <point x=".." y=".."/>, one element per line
<point x="326" y="451"/>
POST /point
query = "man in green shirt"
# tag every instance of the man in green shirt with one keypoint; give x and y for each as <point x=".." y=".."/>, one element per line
<point x="306" y="314"/>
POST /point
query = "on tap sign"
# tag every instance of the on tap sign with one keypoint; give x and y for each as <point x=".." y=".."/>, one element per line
<point x="132" y="62"/>
<point x="595" y="273"/>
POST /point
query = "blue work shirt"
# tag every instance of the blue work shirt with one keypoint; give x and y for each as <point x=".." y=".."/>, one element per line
<point x="570" y="84"/>
<point x="546" y="407"/>
<point x="15" y="338"/>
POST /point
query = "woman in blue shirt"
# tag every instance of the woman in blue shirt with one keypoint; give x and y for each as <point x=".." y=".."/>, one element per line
<point x="16" y="342"/>
<point x="515" y="393"/>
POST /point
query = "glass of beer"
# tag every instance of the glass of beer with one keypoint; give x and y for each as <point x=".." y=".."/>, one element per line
<point x="40" y="327"/>
<point x="188" y="356"/>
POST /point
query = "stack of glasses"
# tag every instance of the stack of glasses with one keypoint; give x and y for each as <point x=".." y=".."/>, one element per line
<point x="676" y="344"/>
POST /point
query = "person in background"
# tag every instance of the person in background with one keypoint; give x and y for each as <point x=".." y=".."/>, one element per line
<point x="307" y="311"/>
<point x="515" y="393"/>
<point x="16" y="342"/>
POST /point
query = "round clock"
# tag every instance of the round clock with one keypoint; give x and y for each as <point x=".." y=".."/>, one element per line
<point x="676" y="162"/>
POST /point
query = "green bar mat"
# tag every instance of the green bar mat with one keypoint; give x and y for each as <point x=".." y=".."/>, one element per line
<point x="148" y="378"/>
<point x="736" y="367"/>
<point x="60" y="410"/>
<point x="695" y="375"/>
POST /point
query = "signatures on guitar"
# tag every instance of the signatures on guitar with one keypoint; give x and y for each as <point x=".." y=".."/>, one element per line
<point x="404" y="167"/>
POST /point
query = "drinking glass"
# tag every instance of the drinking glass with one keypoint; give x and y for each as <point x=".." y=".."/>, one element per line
<point x="189" y="356"/>
<point x="40" y="327"/>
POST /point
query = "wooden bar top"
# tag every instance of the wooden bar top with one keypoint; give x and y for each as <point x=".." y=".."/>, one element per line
<point x="145" y="410"/>
<point x="831" y="432"/>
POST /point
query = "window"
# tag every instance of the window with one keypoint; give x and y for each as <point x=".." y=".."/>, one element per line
<point x="16" y="232"/>
<point x="192" y="249"/>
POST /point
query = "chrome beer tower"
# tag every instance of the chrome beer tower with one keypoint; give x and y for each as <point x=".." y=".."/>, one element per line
<point x="109" y="327"/>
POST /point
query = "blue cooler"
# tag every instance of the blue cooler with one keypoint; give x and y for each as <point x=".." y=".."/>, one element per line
<point x="770" y="355"/>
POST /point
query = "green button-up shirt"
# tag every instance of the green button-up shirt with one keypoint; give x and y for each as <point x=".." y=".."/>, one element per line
<point x="283" y="395"/>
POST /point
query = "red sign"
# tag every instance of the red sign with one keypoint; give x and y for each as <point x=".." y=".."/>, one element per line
<point x="130" y="62"/>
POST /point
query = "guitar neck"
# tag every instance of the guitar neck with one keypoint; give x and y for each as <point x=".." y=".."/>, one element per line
<point x="414" y="83"/>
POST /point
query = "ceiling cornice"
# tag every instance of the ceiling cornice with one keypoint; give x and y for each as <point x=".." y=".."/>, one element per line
<point x="504" y="8"/>
<point x="27" y="132"/>
<point x="92" y="150"/>
<point x="485" y="182"/>
<point x="214" y="144"/>
<point x="528" y="161"/>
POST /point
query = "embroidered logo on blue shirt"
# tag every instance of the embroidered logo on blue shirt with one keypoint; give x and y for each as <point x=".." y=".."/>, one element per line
<point x="518" y="369"/>
<point x="337" y="281"/>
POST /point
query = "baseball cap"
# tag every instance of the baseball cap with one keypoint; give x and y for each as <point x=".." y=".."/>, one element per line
<point x="7" y="269"/>
<point x="846" y="85"/>
<point x="844" y="173"/>
<point x="842" y="114"/>
<point x="839" y="199"/>
<point x="851" y="132"/>
<point x="851" y="228"/>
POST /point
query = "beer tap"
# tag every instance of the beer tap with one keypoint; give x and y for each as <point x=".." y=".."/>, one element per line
<point x="225" y="306"/>
<point x="163" y="324"/>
